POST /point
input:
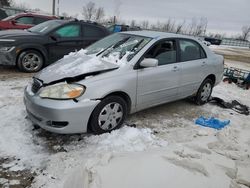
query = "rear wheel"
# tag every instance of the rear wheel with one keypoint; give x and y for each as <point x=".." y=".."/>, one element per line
<point x="204" y="92"/>
<point x="30" y="61"/>
<point x="109" y="114"/>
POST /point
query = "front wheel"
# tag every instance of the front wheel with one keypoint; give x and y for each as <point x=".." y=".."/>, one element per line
<point x="109" y="115"/>
<point x="204" y="92"/>
<point x="30" y="61"/>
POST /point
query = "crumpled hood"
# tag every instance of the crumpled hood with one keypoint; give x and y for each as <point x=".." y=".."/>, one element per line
<point x="74" y="65"/>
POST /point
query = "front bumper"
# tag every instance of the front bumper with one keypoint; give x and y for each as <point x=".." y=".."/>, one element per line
<point x="59" y="116"/>
<point x="8" y="58"/>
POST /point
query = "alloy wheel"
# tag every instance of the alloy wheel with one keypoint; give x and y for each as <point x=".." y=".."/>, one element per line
<point x="31" y="62"/>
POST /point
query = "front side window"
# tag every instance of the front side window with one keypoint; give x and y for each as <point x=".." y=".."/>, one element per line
<point x="69" y="31"/>
<point x="191" y="50"/>
<point x="25" y="20"/>
<point x="164" y="52"/>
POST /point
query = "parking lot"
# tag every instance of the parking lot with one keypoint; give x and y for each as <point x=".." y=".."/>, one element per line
<point x="30" y="156"/>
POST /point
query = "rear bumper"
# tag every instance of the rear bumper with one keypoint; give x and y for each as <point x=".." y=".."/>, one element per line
<point x="59" y="116"/>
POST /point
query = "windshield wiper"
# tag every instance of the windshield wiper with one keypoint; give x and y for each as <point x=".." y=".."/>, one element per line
<point x="137" y="45"/>
<point x="113" y="46"/>
<point x="132" y="51"/>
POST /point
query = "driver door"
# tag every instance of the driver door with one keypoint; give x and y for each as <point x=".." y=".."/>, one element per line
<point x="64" y="40"/>
<point x="157" y="85"/>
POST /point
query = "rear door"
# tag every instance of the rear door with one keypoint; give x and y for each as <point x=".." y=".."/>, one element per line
<point x="193" y="63"/>
<point x="64" y="40"/>
<point x="91" y="34"/>
<point x="159" y="84"/>
<point x="38" y="20"/>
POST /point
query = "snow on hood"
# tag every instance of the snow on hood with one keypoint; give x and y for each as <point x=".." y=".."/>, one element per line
<point x="75" y="64"/>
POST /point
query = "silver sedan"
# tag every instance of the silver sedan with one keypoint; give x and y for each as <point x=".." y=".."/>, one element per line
<point x="96" y="88"/>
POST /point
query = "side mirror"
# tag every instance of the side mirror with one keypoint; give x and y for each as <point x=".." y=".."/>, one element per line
<point x="149" y="62"/>
<point x="54" y="37"/>
<point x="13" y="22"/>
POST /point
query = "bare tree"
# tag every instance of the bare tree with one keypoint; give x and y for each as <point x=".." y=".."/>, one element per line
<point x="132" y="24"/>
<point x="245" y="32"/>
<point x="180" y="26"/>
<point x="99" y="14"/>
<point x="201" y="27"/>
<point x="197" y="27"/>
<point x="89" y="11"/>
<point x="192" y="26"/>
<point x="23" y="6"/>
<point x="5" y="3"/>
<point x="65" y="15"/>
<point x="117" y="10"/>
<point x="145" y="24"/>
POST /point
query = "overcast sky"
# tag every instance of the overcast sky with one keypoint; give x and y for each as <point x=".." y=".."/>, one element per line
<point x="223" y="15"/>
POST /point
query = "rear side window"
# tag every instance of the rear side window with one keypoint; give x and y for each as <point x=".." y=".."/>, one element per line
<point x="69" y="31"/>
<point x="92" y="31"/>
<point x="39" y="20"/>
<point x="25" y="20"/>
<point x="191" y="50"/>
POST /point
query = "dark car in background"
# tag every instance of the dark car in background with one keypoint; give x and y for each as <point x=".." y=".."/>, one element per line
<point x="3" y="14"/>
<point x="24" y="20"/>
<point x="9" y="11"/>
<point x="45" y="43"/>
<point x="213" y="41"/>
<point x="120" y="28"/>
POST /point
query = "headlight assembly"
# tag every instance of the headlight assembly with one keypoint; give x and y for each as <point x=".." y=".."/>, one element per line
<point x="62" y="91"/>
<point x="6" y="49"/>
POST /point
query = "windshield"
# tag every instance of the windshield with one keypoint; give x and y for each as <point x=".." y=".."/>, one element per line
<point x="118" y="46"/>
<point x="46" y="27"/>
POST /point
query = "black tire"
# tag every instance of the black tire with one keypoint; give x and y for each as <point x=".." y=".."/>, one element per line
<point x="26" y="63"/>
<point x="202" y="96"/>
<point x="97" y="126"/>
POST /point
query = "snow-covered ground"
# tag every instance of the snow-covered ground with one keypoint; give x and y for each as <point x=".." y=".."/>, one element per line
<point x="165" y="148"/>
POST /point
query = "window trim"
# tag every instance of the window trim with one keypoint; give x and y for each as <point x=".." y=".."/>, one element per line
<point x="187" y="39"/>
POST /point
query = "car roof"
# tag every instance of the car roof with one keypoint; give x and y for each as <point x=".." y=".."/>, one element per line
<point x="34" y="14"/>
<point x="157" y="34"/>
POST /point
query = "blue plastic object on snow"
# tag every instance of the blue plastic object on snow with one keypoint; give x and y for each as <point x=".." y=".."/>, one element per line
<point x="212" y="122"/>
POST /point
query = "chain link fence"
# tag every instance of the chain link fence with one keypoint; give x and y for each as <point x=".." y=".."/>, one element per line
<point x="233" y="42"/>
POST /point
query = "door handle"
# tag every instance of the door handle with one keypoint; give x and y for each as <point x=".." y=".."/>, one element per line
<point x="203" y="64"/>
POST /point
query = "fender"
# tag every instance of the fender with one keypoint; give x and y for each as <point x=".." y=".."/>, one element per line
<point x="37" y="47"/>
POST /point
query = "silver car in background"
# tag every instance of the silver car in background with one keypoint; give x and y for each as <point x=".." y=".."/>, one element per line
<point x="96" y="88"/>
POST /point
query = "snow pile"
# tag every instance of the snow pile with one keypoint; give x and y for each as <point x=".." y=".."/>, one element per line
<point x="155" y="168"/>
<point x="76" y="63"/>
<point x="126" y="139"/>
<point x="16" y="139"/>
<point x="115" y="58"/>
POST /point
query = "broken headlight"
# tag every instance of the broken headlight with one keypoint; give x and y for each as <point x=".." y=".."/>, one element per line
<point x="62" y="91"/>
